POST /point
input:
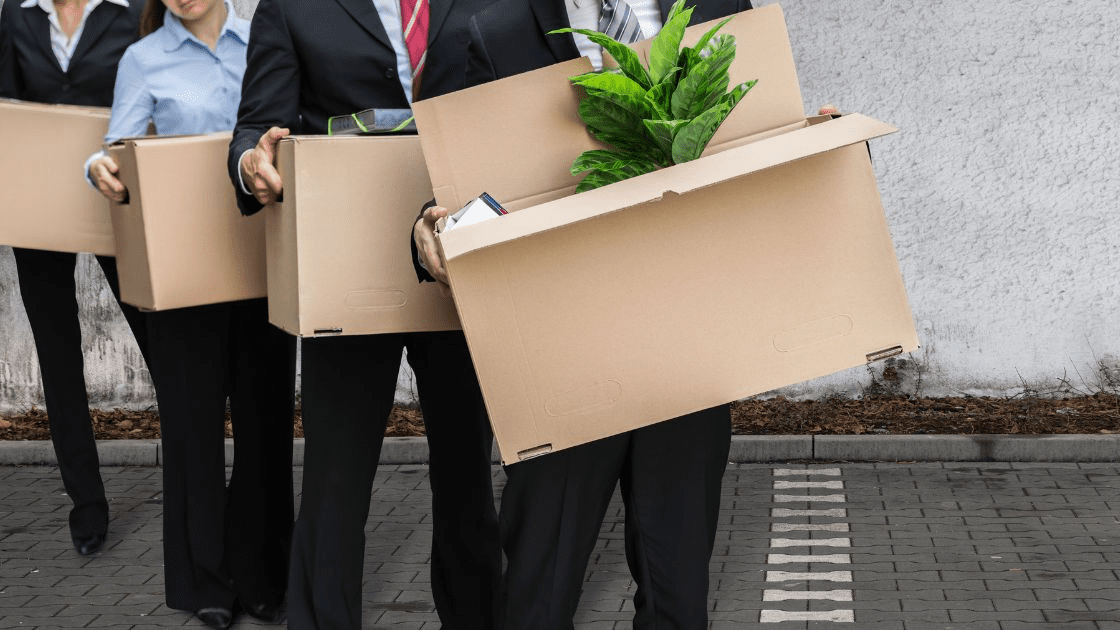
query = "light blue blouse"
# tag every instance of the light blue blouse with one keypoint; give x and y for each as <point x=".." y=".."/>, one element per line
<point x="173" y="79"/>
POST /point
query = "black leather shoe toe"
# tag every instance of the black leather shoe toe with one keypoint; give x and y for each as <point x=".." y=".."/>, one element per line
<point x="87" y="545"/>
<point x="217" y="618"/>
<point x="268" y="613"/>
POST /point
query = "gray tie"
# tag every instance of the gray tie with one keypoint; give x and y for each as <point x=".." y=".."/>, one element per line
<point x="618" y="21"/>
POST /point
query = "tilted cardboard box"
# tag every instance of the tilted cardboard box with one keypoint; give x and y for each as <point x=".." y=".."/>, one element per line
<point x="764" y="263"/>
<point x="181" y="240"/>
<point x="45" y="203"/>
<point x="338" y="245"/>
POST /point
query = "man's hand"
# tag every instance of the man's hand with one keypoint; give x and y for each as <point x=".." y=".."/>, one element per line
<point x="424" y="235"/>
<point x="258" y="168"/>
<point x="103" y="172"/>
<point x="828" y="109"/>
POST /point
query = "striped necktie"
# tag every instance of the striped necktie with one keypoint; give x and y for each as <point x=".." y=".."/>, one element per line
<point x="414" y="20"/>
<point x="618" y="21"/>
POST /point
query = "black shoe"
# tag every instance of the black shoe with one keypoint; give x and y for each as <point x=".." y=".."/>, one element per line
<point x="217" y="618"/>
<point x="271" y="614"/>
<point x="86" y="545"/>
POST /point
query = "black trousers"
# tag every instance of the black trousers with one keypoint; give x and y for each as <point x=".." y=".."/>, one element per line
<point x="348" y="386"/>
<point x="47" y="284"/>
<point x="553" y="506"/>
<point x="220" y="544"/>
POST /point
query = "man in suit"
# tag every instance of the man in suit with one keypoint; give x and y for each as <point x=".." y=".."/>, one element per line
<point x="670" y="473"/>
<point x="64" y="51"/>
<point x="308" y="61"/>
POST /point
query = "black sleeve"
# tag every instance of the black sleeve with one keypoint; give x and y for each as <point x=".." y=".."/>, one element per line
<point x="269" y="91"/>
<point x="11" y="79"/>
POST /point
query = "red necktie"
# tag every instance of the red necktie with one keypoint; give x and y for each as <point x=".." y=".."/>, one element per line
<point x="414" y="20"/>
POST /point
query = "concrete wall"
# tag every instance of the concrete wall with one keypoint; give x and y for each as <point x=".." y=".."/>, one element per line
<point x="1001" y="191"/>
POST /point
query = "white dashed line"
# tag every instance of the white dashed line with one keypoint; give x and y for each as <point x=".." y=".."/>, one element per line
<point x="839" y="595"/>
<point x="778" y="616"/>
<point x="798" y="576"/>
<point x="782" y="595"/>
<point x="810" y="542"/>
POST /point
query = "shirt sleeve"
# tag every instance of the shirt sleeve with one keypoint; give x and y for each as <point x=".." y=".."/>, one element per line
<point x="133" y="104"/>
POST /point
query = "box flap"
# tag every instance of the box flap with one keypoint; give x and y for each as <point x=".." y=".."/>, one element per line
<point x="680" y="179"/>
<point x="528" y="129"/>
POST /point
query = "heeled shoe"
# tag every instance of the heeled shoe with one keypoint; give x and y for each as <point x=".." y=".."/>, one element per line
<point x="272" y="614"/>
<point x="217" y="618"/>
<point x="88" y="545"/>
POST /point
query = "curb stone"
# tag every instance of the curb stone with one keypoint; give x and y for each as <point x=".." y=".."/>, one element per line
<point x="744" y="449"/>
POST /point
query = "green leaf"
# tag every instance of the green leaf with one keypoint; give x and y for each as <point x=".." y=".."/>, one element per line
<point x="667" y="43"/>
<point x="706" y="37"/>
<point x="627" y="59"/>
<point x="616" y="88"/>
<point x="612" y="123"/>
<point x="706" y="81"/>
<point x="598" y="178"/>
<point x="691" y="139"/>
<point x="658" y="99"/>
<point x="663" y="132"/>
<point x="612" y="161"/>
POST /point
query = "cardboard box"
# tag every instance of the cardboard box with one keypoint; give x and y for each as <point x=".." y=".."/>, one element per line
<point x="764" y="263"/>
<point x="45" y="203"/>
<point x="338" y="246"/>
<point x="181" y="241"/>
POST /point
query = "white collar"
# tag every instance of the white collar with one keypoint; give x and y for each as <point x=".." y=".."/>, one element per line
<point x="48" y="5"/>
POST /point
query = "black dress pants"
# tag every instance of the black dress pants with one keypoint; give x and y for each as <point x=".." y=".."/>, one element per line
<point x="553" y="506"/>
<point x="348" y="387"/>
<point x="220" y="544"/>
<point x="47" y="284"/>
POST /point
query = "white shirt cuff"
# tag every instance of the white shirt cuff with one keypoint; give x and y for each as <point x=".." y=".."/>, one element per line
<point x="89" y="162"/>
<point x="240" y="177"/>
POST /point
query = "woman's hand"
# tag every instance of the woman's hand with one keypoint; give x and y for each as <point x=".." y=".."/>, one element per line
<point x="103" y="172"/>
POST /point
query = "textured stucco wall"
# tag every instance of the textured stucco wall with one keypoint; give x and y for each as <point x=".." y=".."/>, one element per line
<point x="1001" y="191"/>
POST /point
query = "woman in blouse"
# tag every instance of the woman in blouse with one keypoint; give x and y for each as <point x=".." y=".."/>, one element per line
<point x="224" y="549"/>
<point x="66" y="51"/>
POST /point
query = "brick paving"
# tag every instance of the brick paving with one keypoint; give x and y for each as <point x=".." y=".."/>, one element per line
<point x="919" y="546"/>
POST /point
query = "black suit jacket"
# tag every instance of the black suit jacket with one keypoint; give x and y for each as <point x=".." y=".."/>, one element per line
<point x="511" y="36"/>
<point x="30" y="71"/>
<point x="309" y="60"/>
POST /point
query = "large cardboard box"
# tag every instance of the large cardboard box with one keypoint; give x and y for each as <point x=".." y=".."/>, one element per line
<point x="764" y="263"/>
<point x="181" y="241"/>
<point x="338" y="245"/>
<point x="45" y="203"/>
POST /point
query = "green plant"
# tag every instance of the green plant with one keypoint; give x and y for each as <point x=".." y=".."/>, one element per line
<point x="658" y="114"/>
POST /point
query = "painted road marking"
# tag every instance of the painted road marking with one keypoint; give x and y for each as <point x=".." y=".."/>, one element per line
<point x="778" y="616"/>
<point x="782" y="595"/>
<point x="791" y="472"/>
<point x="787" y="513"/>
<point x="838" y="595"/>
<point x="826" y="485"/>
<point x="800" y="576"/>
<point x="809" y="527"/>
<point x="818" y="498"/>
<point x="810" y="542"/>
<point x="833" y="558"/>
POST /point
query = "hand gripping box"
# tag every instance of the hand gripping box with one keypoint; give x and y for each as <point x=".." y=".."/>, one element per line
<point x="764" y="263"/>
<point x="339" y="261"/>
<point x="45" y="203"/>
<point x="181" y="241"/>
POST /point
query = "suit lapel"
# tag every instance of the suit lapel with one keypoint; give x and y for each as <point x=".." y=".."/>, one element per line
<point x="39" y="25"/>
<point x="365" y="14"/>
<point x="551" y="15"/>
<point x="96" y="23"/>
<point x="438" y="11"/>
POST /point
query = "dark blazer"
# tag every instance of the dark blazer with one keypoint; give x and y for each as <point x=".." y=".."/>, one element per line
<point x="30" y="71"/>
<point x="510" y="37"/>
<point x="309" y="60"/>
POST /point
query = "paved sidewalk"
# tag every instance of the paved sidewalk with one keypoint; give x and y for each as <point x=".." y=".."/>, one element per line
<point x="988" y="546"/>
